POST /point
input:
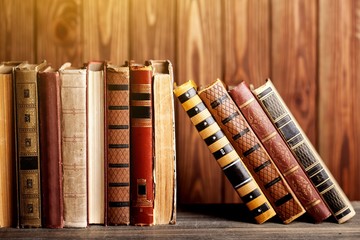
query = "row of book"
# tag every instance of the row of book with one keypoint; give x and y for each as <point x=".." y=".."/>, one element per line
<point x="263" y="152"/>
<point x="87" y="145"/>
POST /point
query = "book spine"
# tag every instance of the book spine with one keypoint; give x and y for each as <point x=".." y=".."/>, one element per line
<point x="95" y="138"/>
<point x="304" y="152"/>
<point x="117" y="149"/>
<point x="50" y="151"/>
<point x="141" y="172"/>
<point x="73" y="142"/>
<point x="7" y="152"/>
<point x="255" y="157"/>
<point x="279" y="152"/>
<point x="28" y="147"/>
<point x="230" y="162"/>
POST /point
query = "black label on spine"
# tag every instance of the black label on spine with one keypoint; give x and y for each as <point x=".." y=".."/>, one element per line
<point x="237" y="174"/>
<point x="187" y="95"/>
<point x="28" y="163"/>
<point x="195" y="110"/>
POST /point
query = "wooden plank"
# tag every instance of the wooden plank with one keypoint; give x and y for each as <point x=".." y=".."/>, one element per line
<point x="17" y="41"/>
<point x="106" y="30"/>
<point x="294" y="59"/>
<point x="198" y="35"/>
<point x="246" y="48"/>
<point x="204" y="222"/>
<point x="339" y="87"/>
<point x="152" y="30"/>
<point x="59" y="36"/>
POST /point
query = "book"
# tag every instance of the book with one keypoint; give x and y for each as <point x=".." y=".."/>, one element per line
<point x="164" y="143"/>
<point x="50" y="148"/>
<point x="279" y="152"/>
<point x="224" y="153"/>
<point x="8" y="197"/>
<point x="254" y="155"/>
<point x="95" y="138"/>
<point x="304" y="152"/>
<point x="117" y="145"/>
<point x="141" y="141"/>
<point x="73" y="144"/>
<point x="28" y="155"/>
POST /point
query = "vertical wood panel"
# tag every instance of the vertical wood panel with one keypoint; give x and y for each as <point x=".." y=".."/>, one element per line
<point x="106" y="30"/>
<point x="339" y="101"/>
<point x="294" y="59"/>
<point x="246" y="49"/>
<point x="59" y="32"/>
<point x="198" y="58"/>
<point x="152" y="30"/>
<point x="17" y="39"/>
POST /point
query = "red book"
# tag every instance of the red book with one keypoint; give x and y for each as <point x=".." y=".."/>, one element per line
<point x="141" y="170"/>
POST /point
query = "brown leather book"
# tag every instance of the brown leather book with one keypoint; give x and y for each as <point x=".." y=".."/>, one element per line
<point x="117" y="145"/>
<point x="306" y="155"/>
<point x="279" y="152"/>
<point x="50" y="148"/>
<point x="141" y="171"/>
<point x="73" y="144"/>
<point x="255" y="157"/>
<point x="164" y="143"/>
<point x="28" y="154"/>
<point x="224" y="153"/>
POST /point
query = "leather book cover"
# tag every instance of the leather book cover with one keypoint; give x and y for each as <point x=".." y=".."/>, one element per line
<point x="141" y="141"/>
<point x="50" y="148"/>
<point x="224" y="153"/>
<point x="28" y="155"/>
<point x="73" y="144"/>
<point x="164" y="143"/>
<point x="254" y="155"/>
<point x="117" y="145"/>
<point x="304" y="152"/>
<point x="279" y="152"/>
<point x="95" y="138"/>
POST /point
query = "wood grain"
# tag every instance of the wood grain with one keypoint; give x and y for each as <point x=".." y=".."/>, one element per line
<point x="59" y="37"/>
<point x="294" y="59"/>
<point x="106" y="30"/>
<point x="339" y="101"/>
<point x="200" y="179"/>
<point x="17" y="41"/>
<point x="152" y="30"/>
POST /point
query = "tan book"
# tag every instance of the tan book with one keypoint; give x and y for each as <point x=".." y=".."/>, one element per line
<point x="28" y="157"/>
<point x="164" y="140"/>
<point x="73" y="139"/>
<point x="95" y="134"/>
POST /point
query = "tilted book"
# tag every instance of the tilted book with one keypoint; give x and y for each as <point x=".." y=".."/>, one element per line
<point x="230" y="162"/>
<point x="28" y="154"/>
<point x="304" y="152"/>
<point x="141" y="171"/>
<point x="164" y="143"/>
<point x="254" y="155"/>
<point x="7" y="147"/>
<point x="279" y="152"/>
<point x="117" y="145"/>
<point x="50" y="148"/>
<point x="73" y="144"/>
<point x="95" y="138"/>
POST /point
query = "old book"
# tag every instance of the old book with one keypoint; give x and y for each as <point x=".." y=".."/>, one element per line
<point x="73" y="144"/>
<point x="95" y="136"/>
<point x="279" y="152"/>
<point x="50" y="148"/>
<point x="117" y="145"/>
<point x="254" y="155"/>
<point x="28" y="155"/>
<point x="141" y="171"/>
<point x="164" y="141"/>
<point x="230" y="162"/>
<point x="304" y="152"/>
<point x="7" y="147"/>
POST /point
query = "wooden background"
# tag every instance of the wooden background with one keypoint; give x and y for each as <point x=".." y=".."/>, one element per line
<point x="310" y="49"/>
